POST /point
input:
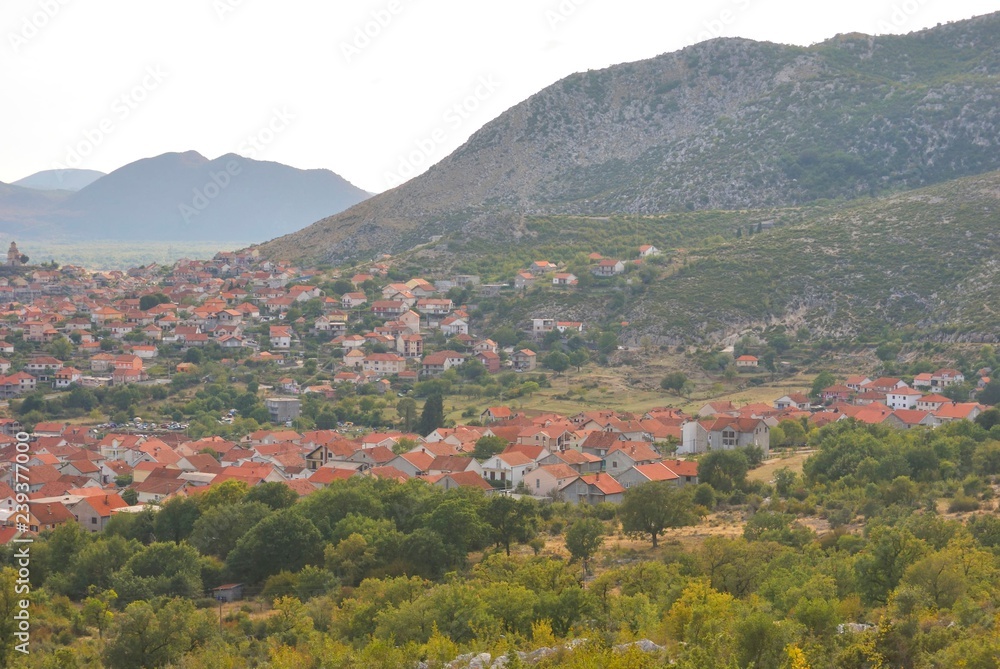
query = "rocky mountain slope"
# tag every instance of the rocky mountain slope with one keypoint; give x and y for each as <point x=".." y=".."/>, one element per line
<point x="725" y="124"/>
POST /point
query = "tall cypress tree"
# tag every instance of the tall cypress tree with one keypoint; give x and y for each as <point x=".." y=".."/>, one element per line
<point x="432" y="416"/>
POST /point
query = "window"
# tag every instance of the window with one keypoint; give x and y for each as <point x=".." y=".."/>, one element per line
<point x="728" y="438"/>
<point x="93" y="520"/>
<point x="538" y="483"/>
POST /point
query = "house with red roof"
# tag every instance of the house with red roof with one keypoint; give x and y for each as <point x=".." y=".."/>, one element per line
<point x="686" y="470"/>
<point x="747" y="362"/>
<point x="943" y="378"/>
<point x="799" y="401"/>
<point x="47" y="515"/>
<point x="957" y="411"/>
<point x="453" y="480"/>
<point x="727" y="432"/>
<point x="647" y="473"/>
<point x="324" y="476"/>
<point x="94" y="511"/>
<point x="902" y="398"/>
<point x="593" y="489"/>
<point x="932" y="402"/>
<point x="626" y="455"/>
<point x="549" y="479"/>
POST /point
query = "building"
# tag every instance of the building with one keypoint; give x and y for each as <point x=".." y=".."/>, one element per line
<point x="229" y="592"/>
<point x="283" y="409"/>
<point x="14" y="257"/>
<point x="524" y="360"/>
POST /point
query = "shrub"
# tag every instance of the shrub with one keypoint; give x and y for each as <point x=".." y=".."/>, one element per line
<point x="963" y="503"/>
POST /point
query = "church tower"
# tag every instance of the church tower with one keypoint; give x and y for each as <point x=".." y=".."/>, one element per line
<point x="13" y="255"/>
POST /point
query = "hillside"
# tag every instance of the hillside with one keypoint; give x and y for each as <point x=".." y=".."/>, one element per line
<point x="725" y="124"/>
<point x="924" y="261"/>
<point x="183" y="197"/>
<point x="68" y="179"/>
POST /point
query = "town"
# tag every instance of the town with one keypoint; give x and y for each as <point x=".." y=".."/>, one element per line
<point x="76" y="342"/>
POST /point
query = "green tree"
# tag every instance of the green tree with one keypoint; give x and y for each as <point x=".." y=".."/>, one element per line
<point x="220" y="527"/>
<point x="881" y="565"/>
<point x="674" y="382"/>
<point x="650" y="508"/>
<point x="557" y="361"/>
<point x="793" y="432"/>
<point x="991" y="393"/>
<point x="988" y="419"/>
<point x="274" y="494"/>
<point x="822" y="380"/>
<point x="723" y="470"/>
<point x="176" y="518"/>
<point x="142" y="636"/>
<point x="432" y="416"/>
<point x="283" y="540"/>
<point x="578" y="358"/>
<point x="227" y="492"/>
<point x="487" y="447"/>
<point x="162" y="568"/>
<point x="583" y="538"/>
<point x="96" y="611"/>
<point x="147" y="302"/>
<point x="406" y="408"/>
<point x="511" y="520"/>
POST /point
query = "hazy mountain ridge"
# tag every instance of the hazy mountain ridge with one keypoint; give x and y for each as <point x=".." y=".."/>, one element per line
<point x="66" y="179"/>
<point x="183" y="197"/>
<point x="728" y="123"/>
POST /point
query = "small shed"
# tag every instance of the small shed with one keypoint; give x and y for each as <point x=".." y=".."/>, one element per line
<point x="230" y="592"/>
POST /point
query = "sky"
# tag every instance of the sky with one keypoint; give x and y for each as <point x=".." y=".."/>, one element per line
<point x="375" y="90"/>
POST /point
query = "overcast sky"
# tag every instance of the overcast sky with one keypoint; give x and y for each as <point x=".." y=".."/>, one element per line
<point x="375" y="90"/>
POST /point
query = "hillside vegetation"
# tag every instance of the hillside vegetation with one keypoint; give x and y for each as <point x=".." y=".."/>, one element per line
<point x="725" y="124"/>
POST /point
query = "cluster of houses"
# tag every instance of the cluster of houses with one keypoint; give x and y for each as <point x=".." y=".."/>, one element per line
<point x="558" y="276"/>
<point x="78" y="475"/>
<point x="115" y="341"/>
<point x="891" y="401"/>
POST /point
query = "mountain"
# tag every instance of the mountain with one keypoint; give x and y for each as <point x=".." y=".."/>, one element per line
<point x="68" y="179"/>
<point x="184" y="197"/>
<point x="23" y="211"/>
<point x="919" y="265"/>
<point x="724" y="124"/>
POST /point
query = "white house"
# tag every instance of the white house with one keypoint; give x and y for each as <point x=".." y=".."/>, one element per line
<point x="903" y="398"/>
<point x="507" y="470"/>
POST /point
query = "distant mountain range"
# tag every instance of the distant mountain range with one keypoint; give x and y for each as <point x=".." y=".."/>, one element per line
<point x="724" y="124"/>
<point x="177" y="197"/>
<point x="68" y="179"/>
